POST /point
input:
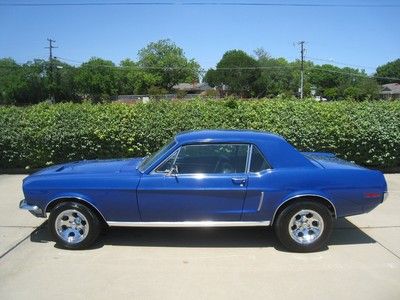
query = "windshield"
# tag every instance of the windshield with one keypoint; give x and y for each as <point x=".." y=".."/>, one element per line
<point x="148" y="161"/>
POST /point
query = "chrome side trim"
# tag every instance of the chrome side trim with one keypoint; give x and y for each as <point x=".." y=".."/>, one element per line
<point x="190" y="224"/>
<point x="74" y="197"/>
<point x="261" y="201"/>
<point x="304" y="195"/>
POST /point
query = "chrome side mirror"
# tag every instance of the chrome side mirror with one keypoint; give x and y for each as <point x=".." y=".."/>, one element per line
<point x="173" y="171"/>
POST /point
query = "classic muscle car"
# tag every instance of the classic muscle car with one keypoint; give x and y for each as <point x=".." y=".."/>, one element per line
<point x="206" y="178"/>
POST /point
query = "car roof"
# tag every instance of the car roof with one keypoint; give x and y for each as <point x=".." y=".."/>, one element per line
<point x="228" y="135"/>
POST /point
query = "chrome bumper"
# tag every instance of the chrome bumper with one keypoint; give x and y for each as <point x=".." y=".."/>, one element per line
<point x="33" y="209"/>
<point x="385" y="196"/>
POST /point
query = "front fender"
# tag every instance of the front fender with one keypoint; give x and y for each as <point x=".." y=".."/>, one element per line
<point x="71" y="196"/>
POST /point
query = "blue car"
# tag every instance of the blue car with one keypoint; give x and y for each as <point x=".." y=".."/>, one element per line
<point x="206" y="178"/>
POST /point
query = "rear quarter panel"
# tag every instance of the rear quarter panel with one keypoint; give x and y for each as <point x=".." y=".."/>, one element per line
<point x="345" y="189"/>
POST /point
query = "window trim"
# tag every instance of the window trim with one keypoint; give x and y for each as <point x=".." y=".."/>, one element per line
<point x="262" y="154"/>
<point x="249" y="145"/>
<point x="167" y="158"/>
<point x="248" y="159"/>
<point x="150" y="167"/>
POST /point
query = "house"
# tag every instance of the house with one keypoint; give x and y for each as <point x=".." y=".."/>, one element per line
<point x="390" y="91"/>
<point x="192" y="88"/>
<point x="132" y="99"/>
<point x="189" y="90"/>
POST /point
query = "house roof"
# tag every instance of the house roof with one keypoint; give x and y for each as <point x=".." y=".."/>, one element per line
<point x="391" y="88"/>
<point x="192" y="86"/>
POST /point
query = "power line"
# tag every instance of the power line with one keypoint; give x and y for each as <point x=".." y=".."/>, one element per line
<point x="339" y="63"/>
<point x="175" y="67"/>
<point x="126" y="67"/>
<point x="352" y="74"/>
<point x="208" y="3"/>
<point x="239" y="68"/>
<point x="306" y="68"/>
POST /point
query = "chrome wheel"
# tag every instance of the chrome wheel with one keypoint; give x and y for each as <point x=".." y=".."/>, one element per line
<point x="71" y="226"/>
<point x="306" y="226"/>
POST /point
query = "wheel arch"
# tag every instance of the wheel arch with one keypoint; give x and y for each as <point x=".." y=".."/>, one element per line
<point x="320" y="199"/>
<point x="54" y="202"/>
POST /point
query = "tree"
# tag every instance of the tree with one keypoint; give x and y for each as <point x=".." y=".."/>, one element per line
<point x="10" y="81"/>
<point x="276" y="75"/>
<point x="29" y="83"/>
<point x="35" y="87"/>
<point x="127" y="77"/>
<point x="133" y="79"/>
<point x="337" y="83"/>
<point x="97" y="79"/>
<point x="238" y="71"/>
<point x="65" y="86"/>
<point x="167" y="64"/>
<point x="326" y="79"/>
<point x="390" y="70"/>
<point x="211" y="77"/>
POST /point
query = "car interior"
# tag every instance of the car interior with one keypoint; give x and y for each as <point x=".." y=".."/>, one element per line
<point x="214" y="159"/>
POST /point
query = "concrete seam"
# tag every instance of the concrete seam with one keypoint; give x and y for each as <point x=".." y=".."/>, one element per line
<point x="387" y="249"/>
<point x="15" y="246"/>
<point x="21" y="241"/>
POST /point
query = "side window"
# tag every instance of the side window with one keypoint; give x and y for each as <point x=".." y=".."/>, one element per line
<point x="167" y="165"/>
<point x="212" y="159"/>
<point x="258" y="162"/>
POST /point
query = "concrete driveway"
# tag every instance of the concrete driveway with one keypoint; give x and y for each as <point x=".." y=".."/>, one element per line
<point x="361" y="262"/>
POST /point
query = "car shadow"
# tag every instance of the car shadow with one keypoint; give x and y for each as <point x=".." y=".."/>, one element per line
<point x="344" y="233"/>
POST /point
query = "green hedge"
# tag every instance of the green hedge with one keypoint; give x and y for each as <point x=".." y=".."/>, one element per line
<point x="365" y="132"/>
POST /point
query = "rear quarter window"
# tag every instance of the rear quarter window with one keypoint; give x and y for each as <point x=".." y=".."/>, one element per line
<point x="258" y="162"/>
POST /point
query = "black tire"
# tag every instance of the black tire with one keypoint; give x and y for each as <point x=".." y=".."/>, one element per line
<point x="92" y="222"/>
<point x="282" y="231"/>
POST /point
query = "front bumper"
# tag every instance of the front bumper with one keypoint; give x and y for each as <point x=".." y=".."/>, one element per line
<point x="33" y="209"/>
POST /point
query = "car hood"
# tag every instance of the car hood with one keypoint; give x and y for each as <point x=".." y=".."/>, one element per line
<point x="93" y="167"/>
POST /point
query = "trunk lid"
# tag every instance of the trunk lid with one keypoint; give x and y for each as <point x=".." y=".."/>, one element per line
<point x="330" y="161"/>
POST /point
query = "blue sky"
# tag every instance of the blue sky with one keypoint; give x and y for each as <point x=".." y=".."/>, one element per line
<point x="357" y="36"/>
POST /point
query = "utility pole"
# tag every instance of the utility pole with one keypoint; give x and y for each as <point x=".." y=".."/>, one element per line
<point x="51" y="69"/>
<point x="301" y="43"/>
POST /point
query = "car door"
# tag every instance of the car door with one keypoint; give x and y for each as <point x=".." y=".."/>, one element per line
<point x="208" y="183"/>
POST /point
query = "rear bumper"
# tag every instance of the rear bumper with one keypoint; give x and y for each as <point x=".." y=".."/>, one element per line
<point x="33" y="209"/>
<point x="385" y="196"/>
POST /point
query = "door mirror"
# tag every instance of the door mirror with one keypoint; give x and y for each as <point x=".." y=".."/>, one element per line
<point x="173" y="171"/>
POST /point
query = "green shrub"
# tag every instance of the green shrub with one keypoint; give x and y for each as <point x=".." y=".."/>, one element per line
<point x="365" y="132"/>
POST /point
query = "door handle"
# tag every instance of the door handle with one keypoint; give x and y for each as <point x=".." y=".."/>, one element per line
<point x="239" y="180"/>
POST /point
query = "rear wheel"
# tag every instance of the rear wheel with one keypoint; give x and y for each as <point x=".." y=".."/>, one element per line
<point x="73" y="225"/>
<point x="304" y="226"/>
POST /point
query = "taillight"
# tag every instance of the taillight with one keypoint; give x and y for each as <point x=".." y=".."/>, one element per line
<point x="372" y="195"/>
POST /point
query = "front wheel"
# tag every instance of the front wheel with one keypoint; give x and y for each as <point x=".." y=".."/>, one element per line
<point x="73" y="225"/>
<point x="304" y="226"/>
